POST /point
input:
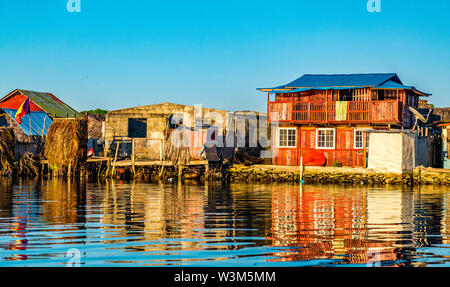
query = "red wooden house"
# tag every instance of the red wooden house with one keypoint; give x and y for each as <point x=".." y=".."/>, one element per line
<point x="324" y="116"/>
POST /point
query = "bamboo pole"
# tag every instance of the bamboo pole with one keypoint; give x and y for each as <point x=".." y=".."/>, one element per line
<point x="108" y="167"/>
<point x="115" y="158"/>
<point x="43" y="128"/>
<point x="301" y="170"/>
<point x="180" y="173"/>
<point x="133" y="157"/>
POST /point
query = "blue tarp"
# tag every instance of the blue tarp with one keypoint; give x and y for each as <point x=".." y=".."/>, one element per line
<point x="39" y="121"/>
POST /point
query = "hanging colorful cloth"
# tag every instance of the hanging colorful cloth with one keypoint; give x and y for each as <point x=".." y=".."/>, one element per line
<point x="22" y="111"/>
<point x="341" y="110"/>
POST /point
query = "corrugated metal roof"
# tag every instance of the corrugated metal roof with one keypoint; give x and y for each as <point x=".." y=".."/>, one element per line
<point x="394" y="85"/>
<point x="340" y="80"/>
<point x="40" y="121"/>
<point x="51" y="104"/>
<point x="309" y="89"/>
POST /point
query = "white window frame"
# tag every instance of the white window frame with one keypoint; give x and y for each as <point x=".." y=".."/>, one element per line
<point x="317" y="138"/>
<point x="354" y="139"/>
<point x="279" y="137"/>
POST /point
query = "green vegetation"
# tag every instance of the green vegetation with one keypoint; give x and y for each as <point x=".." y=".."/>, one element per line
<point x="337" y="164"/>
<point x="96" y="112"/>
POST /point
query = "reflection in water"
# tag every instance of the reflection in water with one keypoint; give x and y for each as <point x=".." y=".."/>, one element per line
<point x="129" y="224"/>
<point x="336" y="223"/>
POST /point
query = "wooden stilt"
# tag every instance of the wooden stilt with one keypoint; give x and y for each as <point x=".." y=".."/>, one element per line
<point x="180" y="173"/>
<point x="301" y="169"/>
<point x="161" y="172"/>
<point x="133" y="168"/>
<point x="108" y="168"/>
<point x="115" y="158"/>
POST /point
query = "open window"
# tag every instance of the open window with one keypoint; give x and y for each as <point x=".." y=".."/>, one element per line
<point x="137" y="128"/>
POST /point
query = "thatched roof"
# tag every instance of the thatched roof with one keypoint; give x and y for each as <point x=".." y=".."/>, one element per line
<point x="66" y="145"/>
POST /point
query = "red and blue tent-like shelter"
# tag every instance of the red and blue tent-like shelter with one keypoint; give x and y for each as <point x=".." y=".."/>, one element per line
<point x="43" y="108"/>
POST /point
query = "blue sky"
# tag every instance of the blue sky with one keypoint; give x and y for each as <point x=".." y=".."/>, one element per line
<point x="118" y="54"/>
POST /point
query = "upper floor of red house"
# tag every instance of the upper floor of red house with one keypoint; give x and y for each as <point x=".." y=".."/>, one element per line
<point x="378" y="99"/>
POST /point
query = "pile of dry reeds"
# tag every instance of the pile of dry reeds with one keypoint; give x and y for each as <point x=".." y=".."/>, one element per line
<point x="176" y="151"/>
<point x="28" y="166"/>
<point x="65" y="146"/>
<point x="7" y="155"/>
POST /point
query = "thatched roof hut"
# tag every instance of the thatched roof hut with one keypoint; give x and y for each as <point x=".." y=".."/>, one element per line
<point x="44" y="108"/>
<point x="66" y="145"/>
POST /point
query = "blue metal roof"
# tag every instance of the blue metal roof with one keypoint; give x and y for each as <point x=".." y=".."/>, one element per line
<point x="308" y="89"/>
<point x="394" y="85"/>
<point x="40" y="121"/>
<point x="341" y="80"/>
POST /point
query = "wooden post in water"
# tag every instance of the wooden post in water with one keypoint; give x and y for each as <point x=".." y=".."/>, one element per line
<point x="301" y="169"/>
<point x="133" y="169"/>
<point x="180" y="173"/>
<point x="108" y="167"/>
<point x="419" y="175"/>
<point x="115" y="158"/>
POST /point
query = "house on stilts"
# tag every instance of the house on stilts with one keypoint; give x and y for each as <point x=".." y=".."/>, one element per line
<point x="323" y="119"/>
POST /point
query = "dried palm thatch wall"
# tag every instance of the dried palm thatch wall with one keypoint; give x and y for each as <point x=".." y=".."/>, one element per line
<point x="7" y="156"/>
<point x="65" y="146"/>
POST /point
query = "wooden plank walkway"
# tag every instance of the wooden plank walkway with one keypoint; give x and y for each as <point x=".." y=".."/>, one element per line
<point x="92" y="159"/>
<point x="124" y="163"/>
<point x="129" y="162"/>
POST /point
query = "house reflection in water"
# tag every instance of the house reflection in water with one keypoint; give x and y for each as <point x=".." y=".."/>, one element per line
<point x="17" y="210"/>
<point x="170" y="223"/>
<point x="196" y="217"/>
<point x="154" y="212"/>
<point x="63" y="202"/>
<point x="349" y="226"/>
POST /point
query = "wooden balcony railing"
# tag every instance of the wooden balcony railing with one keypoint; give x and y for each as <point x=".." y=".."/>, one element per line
<point x="325" y="112"/>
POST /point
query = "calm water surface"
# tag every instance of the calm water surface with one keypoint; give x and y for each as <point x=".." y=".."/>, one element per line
<point x="133" y="224"/>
